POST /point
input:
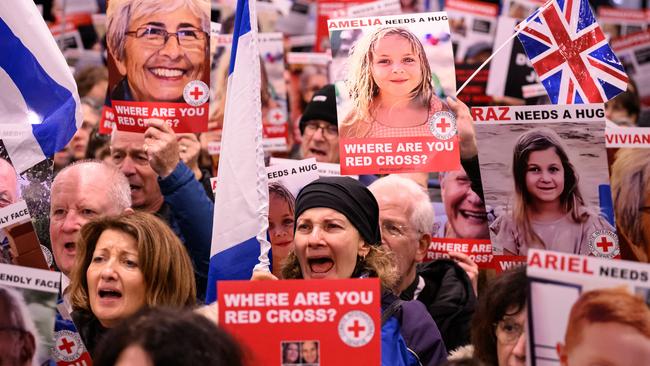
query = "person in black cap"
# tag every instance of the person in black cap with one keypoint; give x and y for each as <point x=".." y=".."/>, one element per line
<point x="318" y="128"/>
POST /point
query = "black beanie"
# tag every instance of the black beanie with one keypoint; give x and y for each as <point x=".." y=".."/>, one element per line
<point x="321" y="107"/>
<point x="347" y="196"/>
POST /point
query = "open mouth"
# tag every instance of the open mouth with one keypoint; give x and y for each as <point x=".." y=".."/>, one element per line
<point x="320" y="265"/>
<point x="317" y="152"/>
<point x="167" y="73"/>
<point x="134" y="187"/>
<point x="480" y="216"/>
<point x="109" y="294"/>
<point x="69" y="246"/>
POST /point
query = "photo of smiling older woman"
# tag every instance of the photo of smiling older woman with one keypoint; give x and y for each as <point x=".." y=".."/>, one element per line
<point x="546" y="182"/>
<point x="393" y="76"/>
<point x="158" y="53"/>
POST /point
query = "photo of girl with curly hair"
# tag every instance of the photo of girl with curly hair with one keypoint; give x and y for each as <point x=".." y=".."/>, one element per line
<point x="390" y="85"/>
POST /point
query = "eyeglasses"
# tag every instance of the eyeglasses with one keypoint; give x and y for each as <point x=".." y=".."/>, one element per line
<point x="157" y="37"/>
<point x="329" y="130"/>
<point x="508" y="331"/>
<point x="393" y="229"/>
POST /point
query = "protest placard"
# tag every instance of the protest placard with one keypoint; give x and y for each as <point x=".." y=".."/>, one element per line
<point x="585" y="310"/>
<point x="473" y="25"/>
<point x="331" y="322"/>
<point x="628" y="154"/>
<point x="309" y="72"/>
<point x="545" y="178"/>
<point x="633" y="50"/>
<point x="275" y="128"/>
<point x="617" y="22"/>
<point x="154" y="72"/>
<point x="19" y="244"/>
<point x="324" y="169"/>
<point x="382" y="7"/>
<point x="325" y="10"/>
<point x="28" y="301"/>
<point x="392" y="115"/>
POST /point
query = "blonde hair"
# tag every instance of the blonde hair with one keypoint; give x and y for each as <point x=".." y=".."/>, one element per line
<point x="630" y="188"/>
<point x="379" y="262"/>
<point x="162" y="258"/>
<point x="362" y="87"/>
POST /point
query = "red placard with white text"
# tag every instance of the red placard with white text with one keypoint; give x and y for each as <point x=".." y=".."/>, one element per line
<point x="329" y="322"/>
<point x="376" y="137"/>
<point x="154" y="75"/>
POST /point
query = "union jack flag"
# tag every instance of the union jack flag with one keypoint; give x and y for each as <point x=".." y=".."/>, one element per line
<point x="570" y="54"/>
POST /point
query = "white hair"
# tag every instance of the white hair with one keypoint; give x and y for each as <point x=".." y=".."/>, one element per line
<point x="422" y="217"/>
<point x="19" y="316"/>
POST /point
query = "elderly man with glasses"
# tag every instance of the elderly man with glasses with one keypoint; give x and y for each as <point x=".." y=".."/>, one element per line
<point x="159" y="46"/>
<point x="320" y="133"/>
<point x="18" y="335"/>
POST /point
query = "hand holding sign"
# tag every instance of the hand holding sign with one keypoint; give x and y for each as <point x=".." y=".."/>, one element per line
<point x="161" y="147"/>
<point x="465" y="125"/>
<point x="190" y="147"/>
<point x="469" y="266"/>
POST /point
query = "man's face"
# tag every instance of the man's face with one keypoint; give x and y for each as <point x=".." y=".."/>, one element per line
<point x="159" y="73"/>
<point x="611" y="344"/>
<point x="464" y="208"/>
<point x="78" y="196"/>
<point x="16" y="347"/>
<point x="8" y="184"/>
<point x="128" y="154"/>
<point x="319" y="144"/>
<point x="397" y="232"/>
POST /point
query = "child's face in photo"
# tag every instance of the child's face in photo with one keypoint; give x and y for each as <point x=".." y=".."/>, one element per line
<point x="396" y="67"/>
<point x="628" y="347"/>
<point x="545" y="175"/>
<point x="280" y="226"/>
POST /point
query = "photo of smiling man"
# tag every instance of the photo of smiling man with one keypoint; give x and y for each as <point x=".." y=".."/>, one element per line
<point x="158" y="58"/>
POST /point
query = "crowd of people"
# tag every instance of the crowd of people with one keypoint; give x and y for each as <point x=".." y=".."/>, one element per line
<point x="131" y="219"/>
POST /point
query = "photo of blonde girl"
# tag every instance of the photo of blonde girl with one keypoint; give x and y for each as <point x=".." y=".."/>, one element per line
<point x="389" y="81"/>
<point x="549" y="211"/>
<point x="281" y="223"/>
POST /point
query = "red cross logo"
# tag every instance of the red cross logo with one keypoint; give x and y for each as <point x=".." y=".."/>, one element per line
<point x="196" y="93"/>
<point x="66" y="345"/>
<point x="570" y="50"/>
<point x="443" y="125"/>
<point x="604" y="244"/>
<point x="356" y="328"/>
<point x="277" y="116"/>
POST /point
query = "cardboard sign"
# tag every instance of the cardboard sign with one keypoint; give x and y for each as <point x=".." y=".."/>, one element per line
<point x="331" y="321"/>
<point x="375" y="138"/>
<point x="565" y="291"/>
<point x="157" y="74"/>
<point x="633" y="50"/>
<point x="33" y="292"/>
<point x="551" y="157"/>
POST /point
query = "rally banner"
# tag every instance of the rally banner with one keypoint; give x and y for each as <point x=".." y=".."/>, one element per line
<point x="628" y="153"/>
<point x="545" y="179"/>
<point x="325" y="10"/>
<point x="308" y="73"/>
<point x="511" y="68"/>
<point x="586" y="311"/>
<point x="617" y="22"/>
<point x="273" y="90"/>
<point x="25" y="201"/>
<point x="30" y="294"/>
<point x="392" y="114"/>
<point x="304" y="322"/>
<point x="633" y="50"/>
<point x="159" y="65"/>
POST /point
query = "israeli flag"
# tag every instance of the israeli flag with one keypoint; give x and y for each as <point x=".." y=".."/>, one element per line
<point x="241" y="207"/>
<point x="39" y="103"/>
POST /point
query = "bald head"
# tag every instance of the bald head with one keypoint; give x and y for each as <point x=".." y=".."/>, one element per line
<point x="8" y="184"/>
<point x="80" y="193"/>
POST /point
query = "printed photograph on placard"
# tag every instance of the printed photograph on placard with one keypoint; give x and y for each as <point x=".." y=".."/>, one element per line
<point x="634" y="52"/>
<point x="584" y="311"/>
<point x="473" y="25"/>
<point x="158" y="61"/>
<point x="628" y="153"/>
<point x="545" y="179"/>
<point x="392" y="75"/>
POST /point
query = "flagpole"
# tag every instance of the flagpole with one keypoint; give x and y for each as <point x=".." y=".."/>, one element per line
<point x="519" y="28"/>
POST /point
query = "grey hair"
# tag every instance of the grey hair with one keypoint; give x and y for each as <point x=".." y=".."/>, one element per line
<point x="119" y="189"/>
<point x="422" y="217"/>
<point x="19" y="316"/>
<point x="121" y="12"/>
<point x="630" y="181"/>
<point x="18" y="190"/>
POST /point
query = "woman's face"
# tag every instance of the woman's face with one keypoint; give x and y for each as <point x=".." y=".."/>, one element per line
<point x="291" y="354"/>
<point x="116" y="287"/>
<point x="327" y="244"/>
<point x="511" y="340"/>
<point x="280" y="226"/>
<point x="465" y="209"/>
<point x="396" y="67"/>
<point x="545" y="176"/>
<point x="310" y="352"/>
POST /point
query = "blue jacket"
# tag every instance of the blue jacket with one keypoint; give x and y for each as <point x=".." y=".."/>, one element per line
<point x="188" y="211"/>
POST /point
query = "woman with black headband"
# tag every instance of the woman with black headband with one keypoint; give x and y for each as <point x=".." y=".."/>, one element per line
<point x="337" y="236"/>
